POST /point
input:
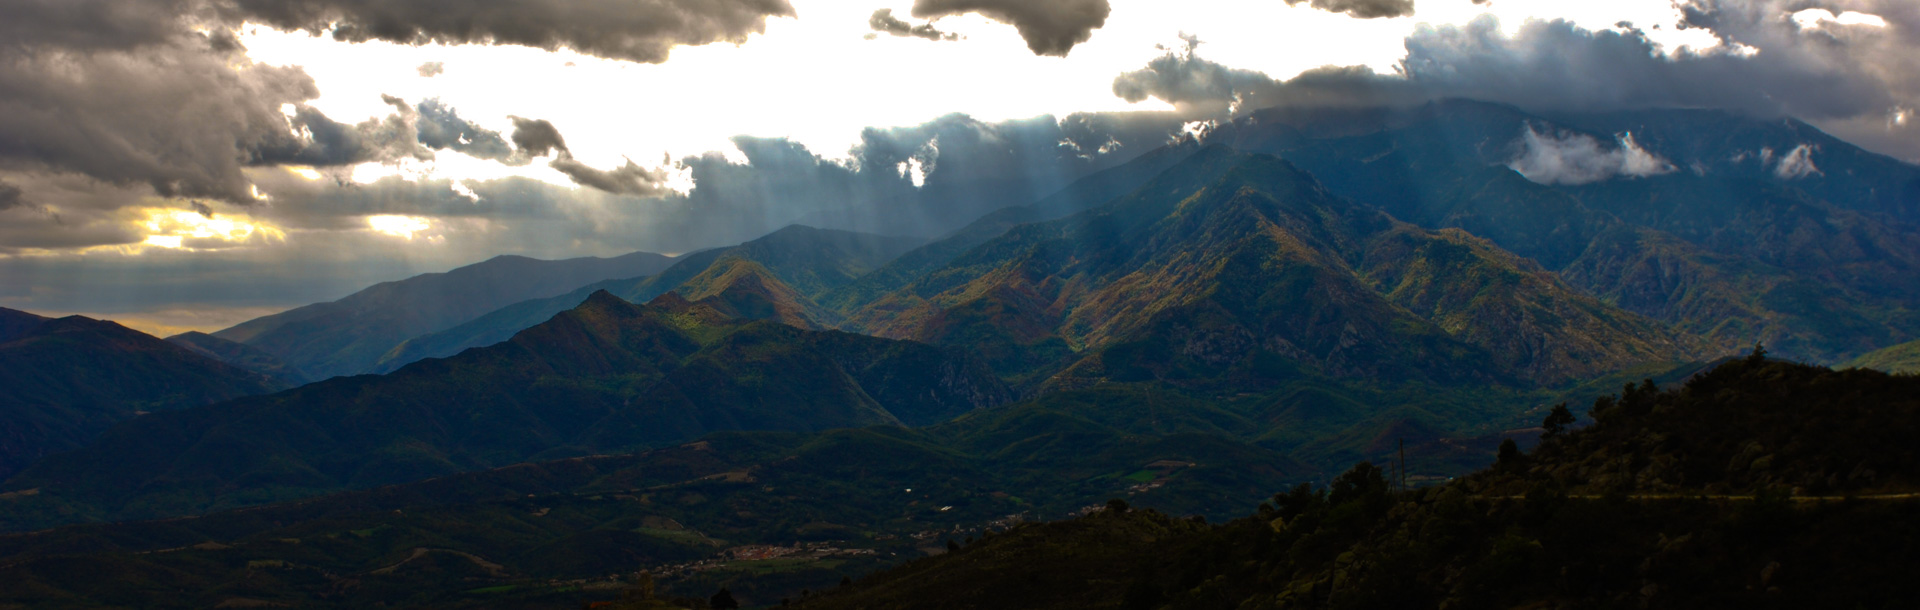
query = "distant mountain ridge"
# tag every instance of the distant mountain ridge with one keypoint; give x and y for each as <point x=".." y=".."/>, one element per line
<point x="809" y="261"/>
<point x="349" y="336"/>
<point x="241" y="355"/>
<point x="64" y="381"/>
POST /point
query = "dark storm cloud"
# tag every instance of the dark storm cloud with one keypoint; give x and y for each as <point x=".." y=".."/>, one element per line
<point x="633" y="30"/>
<point x="1365" y="9"/>
<point x="539" y="138"/>
<point x="411" y="132"/>
<point x="884" y="21"/>
<point x="1200" y="88"/>
<point x="1193" y="85"/>
<point x="126" y="93"/>
<point x="440" y="127"/>
<point x="178" y="115"/>
<point x="1560" y="66"/>
<point x="10" y="197"/>
<point x="160" y="93"/>
<point x="629" y="179"/>
<point x="1853" y="79"/>
<point x="92" y="25"/>
<point x="965" y="168"/>
<point x="1050" y="27"/>
<point x="63" y="212"/>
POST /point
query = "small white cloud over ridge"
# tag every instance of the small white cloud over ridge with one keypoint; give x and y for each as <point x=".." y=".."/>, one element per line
<point x="1797" y="164"/>
<point x="1572" y="158"/>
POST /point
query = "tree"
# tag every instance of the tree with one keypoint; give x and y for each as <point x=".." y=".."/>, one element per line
<point x="1117" y="505"/>
<point x="1297" y="502"/>
<point x="1363" y="481"/>
<point x="1509" y="454"/>
<point x="846" y="582"/>
<point x="723" y="600"/>
<point x="1557" y="421"/>
<point x="952" y="546"/>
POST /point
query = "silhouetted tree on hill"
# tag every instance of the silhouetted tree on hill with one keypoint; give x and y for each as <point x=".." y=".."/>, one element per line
<point x="1557" y="421"/>
<point x="1509" y="454"/>
<point x="723" y="600"/>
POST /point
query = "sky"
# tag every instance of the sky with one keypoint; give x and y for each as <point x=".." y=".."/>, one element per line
<point x="190" y="164"/>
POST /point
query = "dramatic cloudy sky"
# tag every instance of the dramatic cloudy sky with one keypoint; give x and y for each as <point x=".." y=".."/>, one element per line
<point x="179" y="164"/>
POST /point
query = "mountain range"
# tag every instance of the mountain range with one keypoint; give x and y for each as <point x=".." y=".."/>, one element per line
<point x="1235" y="313"/>
<point x="1736" y="229"/>
<point x="606" y="376"/>
<point x="1227" y="256"/>
<point x="809" y="261"/>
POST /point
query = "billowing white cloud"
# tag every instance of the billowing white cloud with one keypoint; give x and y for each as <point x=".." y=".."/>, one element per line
<point x="1574" y="158"/>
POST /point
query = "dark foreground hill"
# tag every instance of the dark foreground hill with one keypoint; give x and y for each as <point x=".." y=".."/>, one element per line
<point x="64" y="381"/>
<point x="1757" y="485"/>
<point x="604" y="377"/>
<point x="763" y="513"/>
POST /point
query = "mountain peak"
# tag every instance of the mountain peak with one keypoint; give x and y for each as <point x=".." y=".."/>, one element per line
<point x="795" y="229"/>
<point x="671" y="301"/>
<point x="603" y="302"/>
<point x="744" y="289"/>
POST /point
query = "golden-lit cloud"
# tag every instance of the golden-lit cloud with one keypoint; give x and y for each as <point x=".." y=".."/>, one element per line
<point x="404" y="227"/>
<point x="190" y="230"/>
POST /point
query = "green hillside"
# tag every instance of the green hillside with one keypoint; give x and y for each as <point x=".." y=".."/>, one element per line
<point x="1903" y="358"/>
<point x="744" y="289"/>
<point x="1227" y="259"/>
<point x="1820" y="267"/>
